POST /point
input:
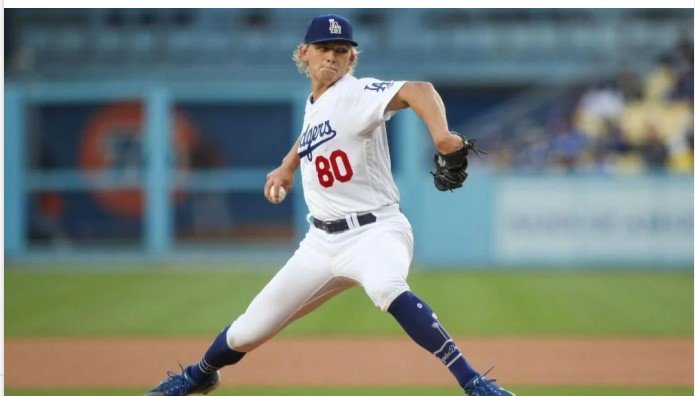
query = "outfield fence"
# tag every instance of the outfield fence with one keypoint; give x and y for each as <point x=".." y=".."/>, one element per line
<point x="81" y="184"/>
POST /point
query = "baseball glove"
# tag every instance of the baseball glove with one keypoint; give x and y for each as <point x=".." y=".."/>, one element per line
<point x="451" y="168"/>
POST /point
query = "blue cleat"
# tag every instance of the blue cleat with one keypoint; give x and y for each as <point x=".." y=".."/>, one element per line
<point x="182" y="385"/>
<point x="481" y="386"/>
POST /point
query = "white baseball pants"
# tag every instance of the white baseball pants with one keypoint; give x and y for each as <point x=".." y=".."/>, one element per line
<point x="376" y="256"/>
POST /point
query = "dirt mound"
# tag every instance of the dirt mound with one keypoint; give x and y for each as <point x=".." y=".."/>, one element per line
<point x="73" y="363"/>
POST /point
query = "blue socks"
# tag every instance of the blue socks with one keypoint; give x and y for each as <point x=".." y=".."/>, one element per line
<point x="422" y="325"/>
<point x="218" y="355"/>
<point x="413" y="314"/>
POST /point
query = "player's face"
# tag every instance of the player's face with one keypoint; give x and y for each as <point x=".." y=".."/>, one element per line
<point x="328" y="62"/>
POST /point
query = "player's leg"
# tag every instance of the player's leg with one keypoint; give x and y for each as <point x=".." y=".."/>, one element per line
<point x="304" y="283"/>
<point x="383" y="275"/>
<point x="423" y="326"/>
<point x="273" y="309"/>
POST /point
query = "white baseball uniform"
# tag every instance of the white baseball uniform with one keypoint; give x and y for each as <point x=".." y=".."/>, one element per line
<point x="346" y="172"/>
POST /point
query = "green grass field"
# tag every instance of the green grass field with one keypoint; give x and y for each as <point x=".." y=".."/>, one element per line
<point x="128" y="303"/>
<point x="175" y="302"/>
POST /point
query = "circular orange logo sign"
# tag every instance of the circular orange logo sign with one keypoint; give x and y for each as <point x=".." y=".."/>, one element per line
<point x="113" y="140"/>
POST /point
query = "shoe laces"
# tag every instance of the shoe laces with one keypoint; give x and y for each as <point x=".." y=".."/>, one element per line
<point x="486" y="382"/>
<point x="179" y="378"/>
<point x="173" y="374"/>
<point x="486" y="373"/>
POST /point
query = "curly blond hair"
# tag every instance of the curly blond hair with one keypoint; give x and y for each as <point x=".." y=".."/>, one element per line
<point x="303" y="67"/>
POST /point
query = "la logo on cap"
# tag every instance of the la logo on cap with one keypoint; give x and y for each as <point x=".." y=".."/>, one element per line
<point x="334" y="27"/>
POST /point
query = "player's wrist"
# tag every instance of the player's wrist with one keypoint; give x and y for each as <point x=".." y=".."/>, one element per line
<point x="290" y="162"/>
<point x="449" y="142"/>
<point x="289" y="166"/>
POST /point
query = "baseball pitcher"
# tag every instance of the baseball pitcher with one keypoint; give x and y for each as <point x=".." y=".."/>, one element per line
<point x="343" y="154"/>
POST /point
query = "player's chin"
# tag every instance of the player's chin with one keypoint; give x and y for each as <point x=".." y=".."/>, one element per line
<point x="328" y="73"/>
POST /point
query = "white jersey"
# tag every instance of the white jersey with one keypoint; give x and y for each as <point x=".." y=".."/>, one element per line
<point x="345" y="160"/>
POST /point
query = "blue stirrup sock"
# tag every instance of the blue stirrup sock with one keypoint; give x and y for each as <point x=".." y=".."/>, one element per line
<point x="422" y="325"/>
<point x="217" y="356"/>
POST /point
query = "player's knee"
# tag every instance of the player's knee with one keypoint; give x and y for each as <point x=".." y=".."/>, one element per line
<point x="244" y="336"/>
<point x="383" y="294"/>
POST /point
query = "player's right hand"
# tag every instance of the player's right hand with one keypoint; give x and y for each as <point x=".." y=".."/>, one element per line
<point x="280" y="177"/>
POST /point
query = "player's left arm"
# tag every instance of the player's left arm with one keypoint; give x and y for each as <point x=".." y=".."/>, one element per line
<point x="426" y="102"/>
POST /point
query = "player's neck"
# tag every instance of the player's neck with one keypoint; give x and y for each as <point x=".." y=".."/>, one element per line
<point x="319" y="88"/>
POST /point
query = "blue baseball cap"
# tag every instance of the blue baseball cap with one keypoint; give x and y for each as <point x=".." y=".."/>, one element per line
<point x="329" y="28"/>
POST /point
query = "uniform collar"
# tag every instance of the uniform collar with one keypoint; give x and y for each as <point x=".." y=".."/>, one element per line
<point x="342" y="80"/>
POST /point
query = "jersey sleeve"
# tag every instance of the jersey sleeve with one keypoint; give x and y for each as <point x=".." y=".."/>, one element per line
<point x="369" y="99"/>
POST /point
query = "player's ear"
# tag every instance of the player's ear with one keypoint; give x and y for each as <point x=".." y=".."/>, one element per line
<point x="303" y="51"/>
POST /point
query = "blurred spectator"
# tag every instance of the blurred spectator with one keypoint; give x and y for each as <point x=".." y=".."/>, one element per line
<point x="611" y="152"/>
<point x="652" y="129"/>
<point x="659" y="83"/>
<point x="614" y="139"/>
<point x="654" y="151"/>
<point x="602" y="101"/>
<point x="630" y="85"/>
<point x="568" y="145"/>
<point x="598" y="103"/>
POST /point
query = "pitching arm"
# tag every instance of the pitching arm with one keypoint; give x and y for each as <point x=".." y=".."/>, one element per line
<point x="283" y="175"/>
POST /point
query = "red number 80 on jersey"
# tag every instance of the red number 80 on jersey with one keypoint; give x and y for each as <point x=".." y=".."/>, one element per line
<point x="335" y="167"/>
